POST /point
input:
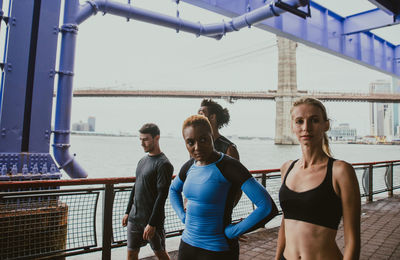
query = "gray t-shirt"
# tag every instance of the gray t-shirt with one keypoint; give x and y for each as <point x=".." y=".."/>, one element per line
<point x="147" y="199"/>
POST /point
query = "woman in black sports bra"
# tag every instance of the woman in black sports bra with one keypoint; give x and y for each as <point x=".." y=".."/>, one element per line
<point x="316" y="192"/>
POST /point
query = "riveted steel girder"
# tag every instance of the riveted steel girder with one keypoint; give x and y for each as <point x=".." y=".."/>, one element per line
<point x="326" y="31"/>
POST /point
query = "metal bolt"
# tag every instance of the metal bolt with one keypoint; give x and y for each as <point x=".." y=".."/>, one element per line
<point x="44" y="168"/>
<point x="53" y="168"/>
<point x="3" y="169"/>
<point x="14" y="169"/>
<point x="35" y="169"/>
<point x="56" y="30"/>
<point x="25" y="169"/>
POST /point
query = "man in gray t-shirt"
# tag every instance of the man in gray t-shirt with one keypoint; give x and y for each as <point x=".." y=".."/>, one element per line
<point x="145" y="215"/>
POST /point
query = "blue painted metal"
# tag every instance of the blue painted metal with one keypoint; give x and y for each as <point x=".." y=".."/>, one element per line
<point x="43" y="77"/>
<point x="216" y="30"/>
<point x="2" y="73"/>
<point x="62" y="123"/>
<point x="369" y="20"/>
<point x="15" y="77"/>
<point x="27" y="91"/>
<point x="325" y="30"/>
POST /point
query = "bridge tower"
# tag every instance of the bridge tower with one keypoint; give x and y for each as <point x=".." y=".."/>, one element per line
<point x="287" y="90"/>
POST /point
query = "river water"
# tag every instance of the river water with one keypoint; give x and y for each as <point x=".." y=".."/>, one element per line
<point x="105" y="157"/>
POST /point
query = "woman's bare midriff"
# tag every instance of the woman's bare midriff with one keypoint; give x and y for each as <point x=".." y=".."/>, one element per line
<point x="308" y="241"/>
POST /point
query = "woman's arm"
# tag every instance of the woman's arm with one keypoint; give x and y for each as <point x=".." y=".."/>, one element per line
<point x="346" y="186"/>
<point x="265" y="211"/>
<point x="175" y="196"/>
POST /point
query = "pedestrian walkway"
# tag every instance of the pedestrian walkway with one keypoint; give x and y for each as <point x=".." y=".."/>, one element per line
<point x="380" y="234"/>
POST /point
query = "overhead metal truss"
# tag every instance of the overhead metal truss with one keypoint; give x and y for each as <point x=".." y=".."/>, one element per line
<point x="348" y="37"/>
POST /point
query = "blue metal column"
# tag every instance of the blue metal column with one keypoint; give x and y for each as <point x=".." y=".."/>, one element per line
<point x="43" y="77"/>
<point x="15" y="77"/>
<point x="62" y="123"/>
<point x="27" y="91"/>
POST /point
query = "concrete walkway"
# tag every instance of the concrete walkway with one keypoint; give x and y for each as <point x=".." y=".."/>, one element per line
<point x="380" y="234"/>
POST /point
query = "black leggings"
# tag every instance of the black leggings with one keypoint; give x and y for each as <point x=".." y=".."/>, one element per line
<point x="188" y="252"/>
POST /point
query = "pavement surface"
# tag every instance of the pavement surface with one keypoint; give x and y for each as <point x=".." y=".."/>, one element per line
<point x="380" y="235"/>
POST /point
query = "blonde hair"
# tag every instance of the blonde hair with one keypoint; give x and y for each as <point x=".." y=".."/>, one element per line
<point x="318" y="104"/>
<point x="197" y="120"/>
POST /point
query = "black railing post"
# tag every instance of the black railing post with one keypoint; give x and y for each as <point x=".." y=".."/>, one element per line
<point x="390" y="180"/>
<point x="264" y="180"/>
<point x="370" y="186"/>
<point x="108" y="200"/>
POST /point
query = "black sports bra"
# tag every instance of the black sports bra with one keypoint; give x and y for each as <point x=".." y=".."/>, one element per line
<point x="320" y="206"/>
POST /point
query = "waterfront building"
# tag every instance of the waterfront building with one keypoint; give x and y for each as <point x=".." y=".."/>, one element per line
<point x="81" y="126"/>
<point x="88" y="126"/>
<point x="343" y="132"/>
<point x="92" y="123"/>
<point x="396" y="108"/>
<point x="381" y="114"/>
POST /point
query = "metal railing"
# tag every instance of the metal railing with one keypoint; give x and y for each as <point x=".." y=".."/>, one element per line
<point x="62" y="217"/>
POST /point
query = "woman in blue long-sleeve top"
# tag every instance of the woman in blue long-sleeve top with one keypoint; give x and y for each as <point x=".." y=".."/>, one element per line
<point x="210" y="180"/>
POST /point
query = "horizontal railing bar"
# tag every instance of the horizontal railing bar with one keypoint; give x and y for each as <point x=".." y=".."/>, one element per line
<point x="264" y="171"/>
<point x="41" y="183"/>
<point x="117" y="180"/>
<point x="17" y="196"/>
<point x="50" y="192"/>
<point x="374" y="163"/>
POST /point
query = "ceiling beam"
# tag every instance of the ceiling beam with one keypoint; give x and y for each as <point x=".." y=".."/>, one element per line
<point x="325" y="31"/>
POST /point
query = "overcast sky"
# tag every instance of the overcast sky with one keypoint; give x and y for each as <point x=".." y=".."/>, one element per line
<point x="114" y="53"/>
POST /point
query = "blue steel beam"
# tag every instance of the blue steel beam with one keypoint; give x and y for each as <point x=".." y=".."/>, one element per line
<point x="15" y="77"/>
<point x="62" y="123"/>
<point x="324" y="31"/>
<point x="43" y="77"/>
<point x="216" y="30"/>
<point x="27" y="90"/>
<point x="369" y="20"/>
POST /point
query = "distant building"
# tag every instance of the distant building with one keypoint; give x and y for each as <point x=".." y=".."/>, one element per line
<point x="381" y="114"/>
<point x="396" y="108"/>
<point x="343" y="132"/>
<point x="92" y="123"/>
<point x="82" y="126"/>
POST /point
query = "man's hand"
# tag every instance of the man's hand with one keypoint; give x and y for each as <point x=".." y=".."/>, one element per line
<point x="125" y="220"/>
<point x="149" y="232"/>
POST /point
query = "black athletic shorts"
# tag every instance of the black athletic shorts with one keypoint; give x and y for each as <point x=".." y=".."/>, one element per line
<point x="136" y="241"/>
<point x="188" y="252"/>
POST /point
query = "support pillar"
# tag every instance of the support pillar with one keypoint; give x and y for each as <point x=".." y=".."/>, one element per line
<point x="287" y="90"/>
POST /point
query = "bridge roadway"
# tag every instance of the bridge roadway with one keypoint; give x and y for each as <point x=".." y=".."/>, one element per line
<point x="232" y="95"/>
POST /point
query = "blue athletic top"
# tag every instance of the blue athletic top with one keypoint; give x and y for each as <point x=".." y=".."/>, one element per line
<point x="320" y="206"/>
<point x="210" y="191"/>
